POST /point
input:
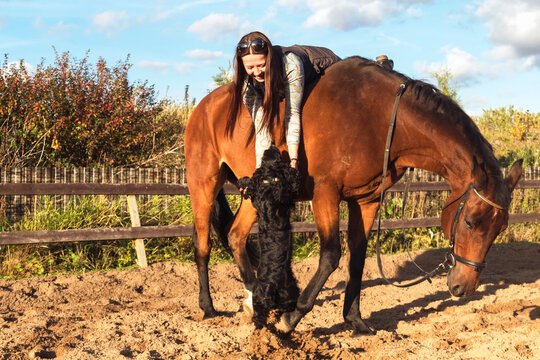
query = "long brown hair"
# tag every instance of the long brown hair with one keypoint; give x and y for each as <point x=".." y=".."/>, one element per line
<point x="273" y="85"/>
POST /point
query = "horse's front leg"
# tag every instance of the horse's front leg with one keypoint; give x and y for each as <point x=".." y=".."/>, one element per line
<point x="238" y="235"/>
<point x="360" y="222"/>
<point x="326" y="211"/>
<point x="202" y="196"/>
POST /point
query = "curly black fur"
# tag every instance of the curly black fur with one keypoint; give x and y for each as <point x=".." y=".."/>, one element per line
<point x="271" y="189"/>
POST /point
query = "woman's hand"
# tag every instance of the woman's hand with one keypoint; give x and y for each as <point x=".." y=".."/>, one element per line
<point x="294" y="163"/>
<point x="293" y="155"/>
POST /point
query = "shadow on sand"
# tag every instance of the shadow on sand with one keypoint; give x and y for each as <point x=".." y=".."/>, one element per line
<point x="513" y="263"/>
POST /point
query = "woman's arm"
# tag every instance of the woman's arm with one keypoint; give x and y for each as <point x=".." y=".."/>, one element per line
<point x="294" y="92"/>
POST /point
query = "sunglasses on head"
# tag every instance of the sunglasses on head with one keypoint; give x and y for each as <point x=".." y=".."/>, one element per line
<point x="257" y="45"/>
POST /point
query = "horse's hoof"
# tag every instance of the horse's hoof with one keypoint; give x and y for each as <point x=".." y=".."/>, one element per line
<point x="361" y="329"/>
<point x="283" y="325"/>
<point x="210" y="314"/>
<point x="247" y="305"/>
<point x="358" y="333"/>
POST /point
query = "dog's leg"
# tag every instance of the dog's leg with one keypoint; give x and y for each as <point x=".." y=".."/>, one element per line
<point x="326" y="210"/>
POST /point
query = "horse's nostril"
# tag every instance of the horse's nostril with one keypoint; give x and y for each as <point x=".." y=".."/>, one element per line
<point x="457" y="290"/>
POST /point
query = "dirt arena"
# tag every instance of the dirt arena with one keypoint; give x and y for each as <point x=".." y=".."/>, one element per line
<point x="153" y="313"/>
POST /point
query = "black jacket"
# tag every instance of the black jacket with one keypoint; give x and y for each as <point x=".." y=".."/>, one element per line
<point x="314" y="58"/>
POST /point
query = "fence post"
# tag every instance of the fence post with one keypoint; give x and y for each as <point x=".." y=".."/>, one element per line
<point x="136" y="222"/>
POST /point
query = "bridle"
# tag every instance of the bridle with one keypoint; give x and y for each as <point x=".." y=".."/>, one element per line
<point x="451" y="257"/>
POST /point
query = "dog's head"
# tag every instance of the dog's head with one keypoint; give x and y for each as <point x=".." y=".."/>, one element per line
<point x="274" y="181"/>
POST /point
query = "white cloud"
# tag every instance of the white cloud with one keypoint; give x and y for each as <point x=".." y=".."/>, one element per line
<point x="185" y="68"/>
<point x="204" y="55"/>
<point x="153" y="65"/>
<point x="60" y="28"/>
<point x="291" y="4"/>
<point x="502" y="52"/>
<point x="269" y="14"/>
<point x="463" y="66"/>
<point x="165" y="14"/>
<point x="414" y="13"/>
<point x="514" y="24"/>
<point x="111" y="20"/>
<point x="16" y="65"/>
<point x="467" y="69"/>
<point x="474" y="104"/>
<point x="216" y="26"/>
<point x="350" y="14"/>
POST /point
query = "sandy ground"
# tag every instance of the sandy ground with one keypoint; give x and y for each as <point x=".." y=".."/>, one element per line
<point x="153" y="313"/>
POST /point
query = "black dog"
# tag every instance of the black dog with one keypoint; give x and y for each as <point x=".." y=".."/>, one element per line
<point x="271" y="189"/>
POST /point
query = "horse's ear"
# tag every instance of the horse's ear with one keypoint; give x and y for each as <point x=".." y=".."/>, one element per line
<point x="514" y="174"/>
<point x="479" y="175"/>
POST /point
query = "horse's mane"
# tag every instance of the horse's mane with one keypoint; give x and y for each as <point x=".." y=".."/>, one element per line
<point x="433" y="100"/>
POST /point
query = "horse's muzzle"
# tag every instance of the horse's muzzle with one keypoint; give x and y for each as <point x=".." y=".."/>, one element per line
<point x="460" y="284"/>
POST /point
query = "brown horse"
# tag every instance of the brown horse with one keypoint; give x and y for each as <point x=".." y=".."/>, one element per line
<point x="344" y="121"/>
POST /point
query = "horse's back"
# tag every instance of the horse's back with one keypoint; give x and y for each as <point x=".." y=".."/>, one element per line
<point x="204" y="121"/>
<point x="344" y="122"/>
<point x="342" y="127"/>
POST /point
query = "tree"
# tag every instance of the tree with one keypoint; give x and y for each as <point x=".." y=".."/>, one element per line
<point x="446" y="84"/>
<point x="224" y="76"/>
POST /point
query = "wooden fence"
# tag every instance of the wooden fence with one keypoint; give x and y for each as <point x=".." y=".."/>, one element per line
<point x="15" y="205"/>
<point x="140" y="232"/>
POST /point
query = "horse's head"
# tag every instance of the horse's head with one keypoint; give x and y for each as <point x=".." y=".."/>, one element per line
<point x="472" y="221"/>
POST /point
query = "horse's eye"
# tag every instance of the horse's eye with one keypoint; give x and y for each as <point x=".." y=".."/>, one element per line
<point x="468" y="224"/>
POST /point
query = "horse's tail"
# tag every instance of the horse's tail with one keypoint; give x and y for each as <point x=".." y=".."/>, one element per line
<point x="222" y="219"/>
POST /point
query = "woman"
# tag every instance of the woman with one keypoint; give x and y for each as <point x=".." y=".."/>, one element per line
<point x="264" y="74"/>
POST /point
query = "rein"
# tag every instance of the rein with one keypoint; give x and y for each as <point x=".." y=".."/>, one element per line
<point x="391" y="126"/>
<point x="451" y="257"/>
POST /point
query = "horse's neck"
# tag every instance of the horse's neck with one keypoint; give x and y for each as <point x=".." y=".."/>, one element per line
<point x="450" y="156"/>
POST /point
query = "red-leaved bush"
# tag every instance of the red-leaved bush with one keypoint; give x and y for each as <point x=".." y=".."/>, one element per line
<point x="72" y="113"/>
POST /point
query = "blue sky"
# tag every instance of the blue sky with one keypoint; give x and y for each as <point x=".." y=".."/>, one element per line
<point x="492" y="47"/>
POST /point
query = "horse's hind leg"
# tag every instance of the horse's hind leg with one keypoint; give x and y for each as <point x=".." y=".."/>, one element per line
<point x="326" y="210"/>
<point x="360" y="222"/>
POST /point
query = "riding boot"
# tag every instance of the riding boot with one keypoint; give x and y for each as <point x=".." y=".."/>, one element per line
<point x="386" y="63"/>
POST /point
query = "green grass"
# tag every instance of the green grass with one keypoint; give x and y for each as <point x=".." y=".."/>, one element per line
<point x="93" y="212"/>
<point x="18" y="261"/>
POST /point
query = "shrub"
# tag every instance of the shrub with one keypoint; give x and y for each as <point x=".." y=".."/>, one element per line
<point x="514" y="134"/>
<point x="72" y="113"/>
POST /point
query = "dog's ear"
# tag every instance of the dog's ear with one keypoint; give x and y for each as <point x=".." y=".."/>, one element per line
<point x="245" y="183"/>
<point x="271" y="155"/>
<point x="293" y="177"/>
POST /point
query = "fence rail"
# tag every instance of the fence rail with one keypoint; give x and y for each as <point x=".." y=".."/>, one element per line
<point x="181" y="189"/>
<point x="187" y="230"/>
<point x="127" y="233"/>
<point x="140" y="232"/>
<point x="20" y="200"/>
